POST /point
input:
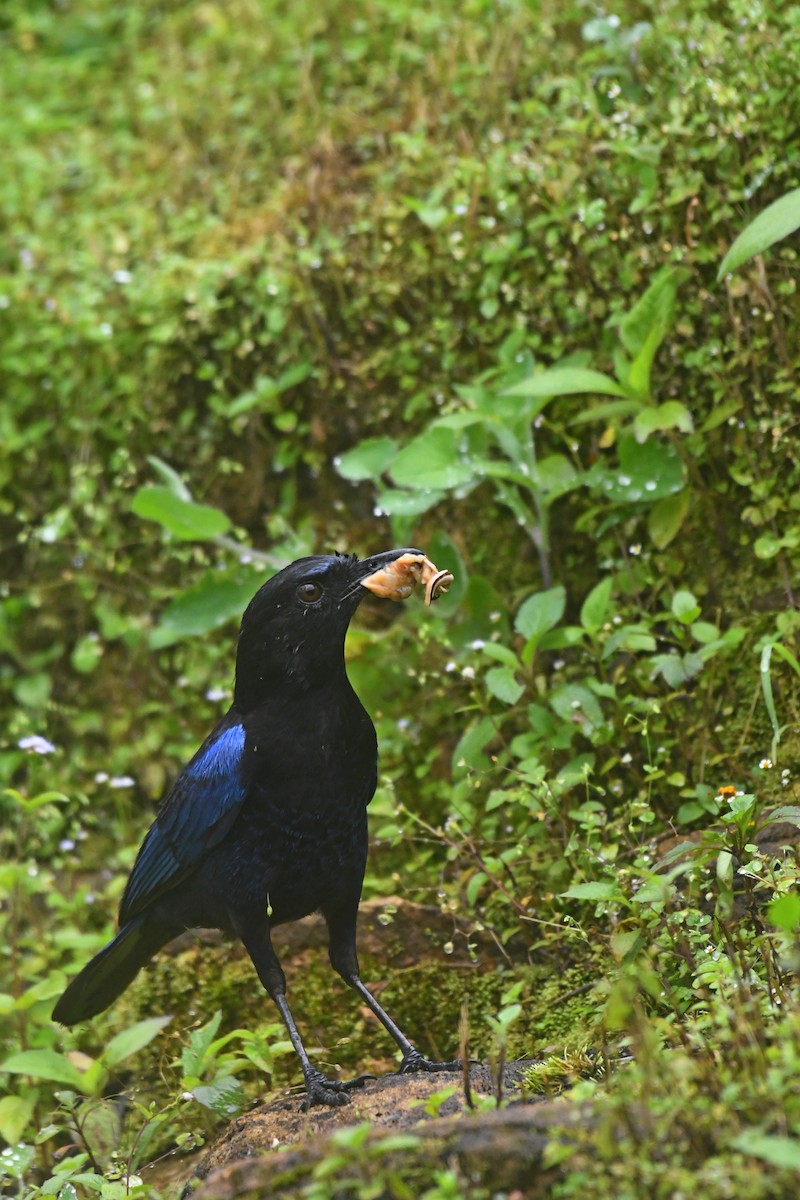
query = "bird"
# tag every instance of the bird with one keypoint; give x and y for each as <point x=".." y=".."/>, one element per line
<point x="267" y="822"/>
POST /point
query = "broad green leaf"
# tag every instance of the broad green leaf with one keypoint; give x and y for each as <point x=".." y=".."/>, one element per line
<point x="646" y="473"/>
<point x="469" y="751"/>
<point x="101" y="1128"/>
<point x="574" y="773"/>
<point x="208" y="604"/>
<point x="367" y="460"/>
<point x="666" y="518"/>
<point x="394" y="503"/>
<point x="541" y="612"/>
<point x="577" y="705"/>
<point x="184" y="519"/>
<point x="502" y="683"/>
<point x="86" y="653"/>
<point x="554" y="475"/>
<point x="224" y="1096"/>
<point x="567" y="381"/>
<point x="132" y="1039"/>
<point x="776" y="222"/>
<point x="45" y="1064"/>
<point x="778" y="1151"/>
<point x="720" y="413"/>
<point x="685" y="607"/>
<point x="672" y="415"/>
<point x="15" y="1113"/>
<point x="607" y="411"/>
<point x="784" y="911"/>
<point x="644" y="327"/>
<point x="432" y="460"/>
<point x="595" y="890"/>
<point x="786" y="812"/>
<point x="501" y="654"/>
<point x="594" y="609"/>
<point x="767" y="546"/>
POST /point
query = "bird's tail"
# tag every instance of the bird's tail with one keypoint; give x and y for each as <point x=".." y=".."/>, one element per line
<point x="110" y="971"/>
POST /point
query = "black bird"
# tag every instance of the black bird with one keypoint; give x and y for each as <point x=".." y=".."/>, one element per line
<point x="268" y="821"/>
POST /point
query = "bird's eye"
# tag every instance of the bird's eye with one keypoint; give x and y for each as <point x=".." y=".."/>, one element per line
<point x="309" y="593"/>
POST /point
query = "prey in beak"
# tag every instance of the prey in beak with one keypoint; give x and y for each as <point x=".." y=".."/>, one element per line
<point x="397" y="579"/>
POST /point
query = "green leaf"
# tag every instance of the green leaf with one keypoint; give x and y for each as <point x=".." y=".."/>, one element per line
<point x="502" y="683"/>
<point x="778" y="1151"/>
<point x="685" y="607"/>
<point x="605" y="412"/>
<point x="772" y="225"/>
<point x="576" y="704"/>
<point x="224" y="1096"/>
<point x="501" y="654"/>
<point x="595" y="890"/>
<point x="541" y="612"/>
<point x="469" y="751"/>
<point x="594" y="609"/>
<point x="86" y="653"/>
<point x="646" y="473"/>
<point x="784" y="911"/>
<point x="643" y="329"/>
<point x="45" y="1064"/>
<point x="367" y="460"/>
<point x="207" y="604"/>
<point x="15" y="1113"/>
<point x="432" y="460"/>
<point x="566" y="381"/>
<point x="672" y="415"/>
<point x="132" y="1039"/>
<point x="394" y="503"/>
<point x="193" y="1055"/>
<point x="666" y="517"/>
<point x="184" y="519"/>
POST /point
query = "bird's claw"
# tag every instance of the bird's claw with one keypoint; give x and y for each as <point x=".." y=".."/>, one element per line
<point x="333" y="1092"/>
<point x="413" y="1061"/>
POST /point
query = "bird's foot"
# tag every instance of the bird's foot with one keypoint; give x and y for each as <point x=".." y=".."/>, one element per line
<point x="333" y="1092"/>
<point x="413" y="1061"/>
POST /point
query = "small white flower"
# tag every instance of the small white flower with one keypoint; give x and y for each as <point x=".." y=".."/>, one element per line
<point x="450" y="666"/>
<point x="122" y="276"/>
<point x="101" y="777"/>
<point x="66" y="844"/>
<point x="766" y="764"/>
<point x="626" y="758"/>
<point x="106" y="329"/>
<point x="478" y="644"/>
<point x="635" y="548"/>
<point x="121" y="781"/>
<point x="36" y="744"/>
<point x="468" y="672"/>
<point x="215" y="693"/>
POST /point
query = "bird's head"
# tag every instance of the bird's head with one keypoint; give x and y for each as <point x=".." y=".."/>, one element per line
<point x="293" y="630"/>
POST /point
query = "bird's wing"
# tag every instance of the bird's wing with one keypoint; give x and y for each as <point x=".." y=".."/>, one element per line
<point x="197" y="812"/>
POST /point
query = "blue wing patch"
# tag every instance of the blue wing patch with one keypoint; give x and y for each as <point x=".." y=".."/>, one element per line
<point x="196" y="813"/>
<point x="222" y="757"/>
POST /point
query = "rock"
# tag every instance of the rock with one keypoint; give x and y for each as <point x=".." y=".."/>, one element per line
<point x="274" y="1150"/>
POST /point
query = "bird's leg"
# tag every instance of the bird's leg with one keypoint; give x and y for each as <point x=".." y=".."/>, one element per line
<point x="319" y="1089"/>
<point x="344" y="960"/>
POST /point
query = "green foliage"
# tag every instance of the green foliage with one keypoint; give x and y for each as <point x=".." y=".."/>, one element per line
<point x="776" y="222"/>
<point x="347" y="275"/>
